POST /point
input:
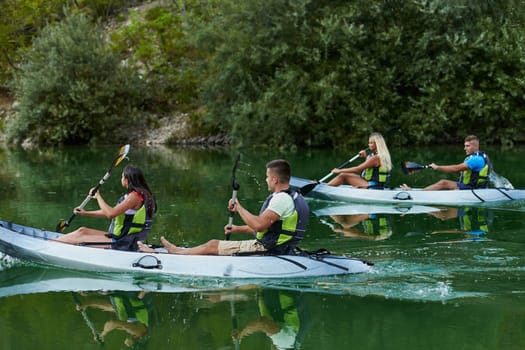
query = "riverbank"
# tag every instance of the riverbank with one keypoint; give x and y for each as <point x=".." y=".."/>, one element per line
<point x="174" y="131"/>
<point x="169" y="130"/>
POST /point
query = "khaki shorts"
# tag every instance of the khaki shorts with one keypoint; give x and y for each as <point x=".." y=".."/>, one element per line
<point x="235" y="247"/>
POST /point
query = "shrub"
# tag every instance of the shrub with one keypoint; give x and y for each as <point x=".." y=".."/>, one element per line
<point x="72" y="89"/>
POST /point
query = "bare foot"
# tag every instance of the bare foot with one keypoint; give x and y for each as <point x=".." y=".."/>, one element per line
<point x="170" y="247"/>
<point x="405" y="187"/>
<point x="144" y="248"/>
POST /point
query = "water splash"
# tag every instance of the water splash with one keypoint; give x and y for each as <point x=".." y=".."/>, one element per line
<point x="7" y="262"/>
<point x="499" y="181"/>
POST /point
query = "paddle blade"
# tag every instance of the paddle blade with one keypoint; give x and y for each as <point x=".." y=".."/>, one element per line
<point x="235" y="184"/>
<point x="61" y="226"/>
<point x="411" y="167"/>
<point x="122" y="153"/>
<point x="307" y="188"/>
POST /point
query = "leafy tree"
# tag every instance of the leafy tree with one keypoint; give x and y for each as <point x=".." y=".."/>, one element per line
<point x="153" y="43"/>
<point x="19" y="22"/>
<point x="328" y="72"/>
<point x="73" y="89"/>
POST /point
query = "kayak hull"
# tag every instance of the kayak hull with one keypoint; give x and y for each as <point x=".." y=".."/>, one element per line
<point x="37" y="246"/>
<point x="368" y="208"/>
<point x="346" y="193"/>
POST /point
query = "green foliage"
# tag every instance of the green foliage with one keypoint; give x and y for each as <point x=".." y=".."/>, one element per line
<point x="19" y="21"/>
<point x="321" y="73"/>
<point x="274" y="72"/>
<point x="104" y="9"/>
<point x="73" y="89"/>
<point x="155" y="42"/>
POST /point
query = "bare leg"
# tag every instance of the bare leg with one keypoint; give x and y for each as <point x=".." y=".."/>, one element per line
<point x="208" y="248"/>
<point x="336" y="181"/>
<point x="351" y="179"/>
<point x="84" y="234"/>
<point x="443" y="185"/>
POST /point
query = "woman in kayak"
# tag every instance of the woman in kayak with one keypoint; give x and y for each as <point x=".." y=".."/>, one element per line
<point x="131" y="218"/>
<point x="374" y="172"/>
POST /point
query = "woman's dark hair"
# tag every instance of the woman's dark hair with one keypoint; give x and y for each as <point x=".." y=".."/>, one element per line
<point x="137" y="182"/>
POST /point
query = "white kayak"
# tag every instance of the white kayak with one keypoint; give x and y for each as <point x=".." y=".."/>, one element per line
<point x="36" y="245"/>
<point x="347" y="193"/>
<point x="30" y="280"/>
<point x="361" y="208"/>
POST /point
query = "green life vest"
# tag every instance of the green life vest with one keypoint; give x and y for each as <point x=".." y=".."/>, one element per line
<point x="377" y="226"/>
<point x="130" y="309"/>
<point x="281" y="309"/>
<point x="283" y="235"/>
<point x="130" y="222"/>
<point x="477" y="179"/>
<point x="378" y="174"/>
<point x="473" y="220"/>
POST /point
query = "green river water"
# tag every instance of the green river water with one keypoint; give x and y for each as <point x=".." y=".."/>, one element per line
<point x="450" y="281"/>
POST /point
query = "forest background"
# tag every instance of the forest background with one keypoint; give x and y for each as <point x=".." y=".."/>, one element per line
<point x="288" y="73"/>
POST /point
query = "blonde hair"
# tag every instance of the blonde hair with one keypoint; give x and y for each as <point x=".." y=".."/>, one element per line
<point x="382" y="150"/>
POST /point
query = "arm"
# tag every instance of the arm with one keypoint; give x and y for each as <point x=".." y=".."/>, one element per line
<point x="450" y="168"/>
<point x="132" y="201"/>
<point x="369" y="163"/>
<point x="254" y="223"/>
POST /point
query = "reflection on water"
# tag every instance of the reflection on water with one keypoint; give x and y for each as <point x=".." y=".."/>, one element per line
<point x="262" y="317"/>
<point x="373" y="227"/>
<point x="281" y="316"/>
<point x="473" y="223"/>
<point x="375" y="222"/>
<point x="131" y="312"/>
<point x="422" y="284"/>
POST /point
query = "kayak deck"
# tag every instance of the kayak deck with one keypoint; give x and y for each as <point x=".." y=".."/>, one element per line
<point x="346" y="193"/>
<point x="36" y="246"/>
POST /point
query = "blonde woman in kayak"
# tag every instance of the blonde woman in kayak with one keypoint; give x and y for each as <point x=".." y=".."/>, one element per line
<point x="373" y="173"/>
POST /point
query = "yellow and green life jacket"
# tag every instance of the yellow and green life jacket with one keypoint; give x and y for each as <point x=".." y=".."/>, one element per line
<point x="283" y="235"/>
<point x="379" y="175"/>
<point x="131" y="226"/>
<point x="477" y="179"/>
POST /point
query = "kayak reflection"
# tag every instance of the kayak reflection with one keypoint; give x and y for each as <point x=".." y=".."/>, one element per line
<point x="366" y="221"/>
<point x="374" y="227"/>
<point x="282" y="317"/>
<point x="474" y="222"/>
<point x="133" y="313"/>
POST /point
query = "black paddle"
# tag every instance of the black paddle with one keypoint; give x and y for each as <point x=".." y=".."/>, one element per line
<point x="122" y="153"/>
<point x="90" y="324"/>
<point x="411" y="167"/>
<point x="235" y="188"/>
<point x="307" y="188"/>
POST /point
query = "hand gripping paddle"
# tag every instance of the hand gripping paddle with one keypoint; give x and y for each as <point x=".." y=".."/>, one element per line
<point x="122" y="153"/>
<point x="235" y="188"/>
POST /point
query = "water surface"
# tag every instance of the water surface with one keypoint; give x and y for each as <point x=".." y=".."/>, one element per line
<point x="451" y="278"/>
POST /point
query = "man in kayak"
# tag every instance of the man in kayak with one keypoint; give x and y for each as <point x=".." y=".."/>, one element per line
<point x="474" y="171"/>
<point x="278" y="227"/>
